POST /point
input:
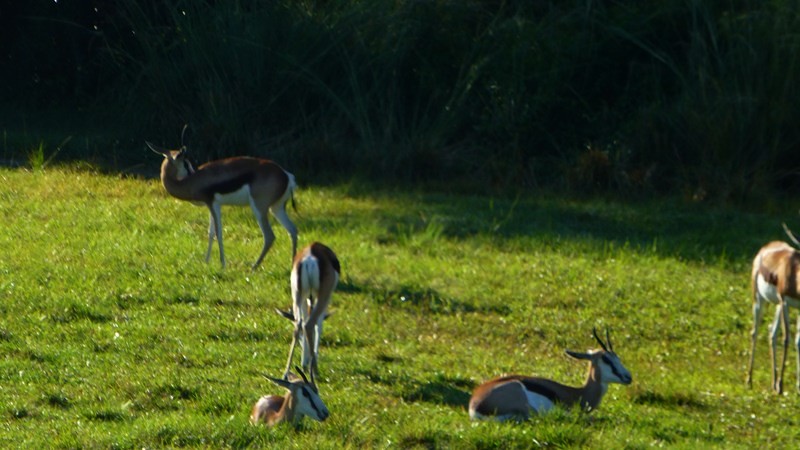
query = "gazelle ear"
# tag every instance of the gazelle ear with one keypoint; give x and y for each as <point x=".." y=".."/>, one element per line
<point x="157" y="149"/>
<point x="280" y="382"/>
<point x="578" y="355"/>
<point x="286" y="314"/>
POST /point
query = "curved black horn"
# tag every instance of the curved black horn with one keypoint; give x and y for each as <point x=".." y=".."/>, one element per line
<point x="608" y="341"/>
<point x="156" y="149"/>
<point x="599" y="341"/>
<point x="790" y="234"/>
<point x="183" y="134"/>
<point x="302" y="374"/>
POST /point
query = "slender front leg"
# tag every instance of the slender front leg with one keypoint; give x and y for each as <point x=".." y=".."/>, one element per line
<point x="212" y="231"/>
<point x="782" y="316"/>
<point x="216" y="218"/>
<point x="797" y="349"/>
<point x="773" y="337"/>
<point x="785" y="327"/>
<point x="757" y="314"/>
<point x="295" y="336"/>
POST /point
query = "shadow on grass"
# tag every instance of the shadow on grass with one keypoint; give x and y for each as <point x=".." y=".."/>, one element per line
<point x="676" y="401"/>
<point x="441" y="390"/>
<point x="412" y="297"/>
<point x="667" y="228"/>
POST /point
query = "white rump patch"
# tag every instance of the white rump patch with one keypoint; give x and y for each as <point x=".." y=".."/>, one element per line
<point x="539" y="403"/>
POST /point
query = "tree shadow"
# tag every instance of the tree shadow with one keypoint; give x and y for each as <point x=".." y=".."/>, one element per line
<point x="667" y="228"/>
<point x="454" y="392"/>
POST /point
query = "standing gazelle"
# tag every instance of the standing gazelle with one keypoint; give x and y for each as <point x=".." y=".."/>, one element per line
<point x="775" y="277"/>
<point x="514" y="396"/>
<point x="302" y="400"/>
<point x="315" y="274"/>
<point x="242" y="180"/>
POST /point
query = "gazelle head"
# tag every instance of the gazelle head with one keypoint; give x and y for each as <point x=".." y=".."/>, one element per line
<point x="303" y="396"/>
<point x="176" y="163"/>
<point x="606" y="365"/>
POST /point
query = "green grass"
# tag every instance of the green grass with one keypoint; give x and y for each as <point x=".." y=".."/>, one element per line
<point x="115" y="334"/>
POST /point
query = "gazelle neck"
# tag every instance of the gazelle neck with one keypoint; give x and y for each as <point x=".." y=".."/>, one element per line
<point x="286" y="413"/>
<point x="593" y="389"/>
<point x="587" y="396"/>
<point x="178" y="188"/>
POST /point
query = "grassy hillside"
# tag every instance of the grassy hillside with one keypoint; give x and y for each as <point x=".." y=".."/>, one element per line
<point x="114" y="333"/>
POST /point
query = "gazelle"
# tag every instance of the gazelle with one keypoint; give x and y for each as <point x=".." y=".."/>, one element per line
<point x="302" y="400"/>
<point x="242" y="180"/>
<point x="775" y="277"/>
<point x="514" y="396"/>
<point x="315" y="274"/>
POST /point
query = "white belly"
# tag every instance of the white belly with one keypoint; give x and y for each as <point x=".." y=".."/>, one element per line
<point x="539" y="403"/>
<point x="239" y="197"/>
<point x="769" y="292"/>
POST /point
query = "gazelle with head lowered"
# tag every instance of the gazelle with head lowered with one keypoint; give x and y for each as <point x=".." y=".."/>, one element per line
<point x="775" y="276"/>
<point x="516" y="396"/>
<point x="315" y="274"/>
<point x="260" y="183"/>
<point x="302" y="400"/>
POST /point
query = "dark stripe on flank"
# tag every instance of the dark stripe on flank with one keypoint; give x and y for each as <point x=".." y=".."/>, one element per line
<point x="229" y="185"/>
<point x="539" y="389"/>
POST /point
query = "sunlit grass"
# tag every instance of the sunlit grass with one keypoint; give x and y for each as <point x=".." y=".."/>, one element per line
<point x="115" y="333"/>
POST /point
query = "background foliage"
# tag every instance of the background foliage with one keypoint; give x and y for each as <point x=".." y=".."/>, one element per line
<point x="649" y="96"/>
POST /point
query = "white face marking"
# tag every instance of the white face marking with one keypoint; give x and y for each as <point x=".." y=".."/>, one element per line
<point x="539" y="403"/>
<point x="769" y="292"/>
<point x="310" y="404"/>
<point x="612" y="370"/>
<point x="182" y="165"/>
<point x="239" y="197"/>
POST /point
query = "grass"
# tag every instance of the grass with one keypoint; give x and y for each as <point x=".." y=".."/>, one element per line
<point x="115" y="334"/>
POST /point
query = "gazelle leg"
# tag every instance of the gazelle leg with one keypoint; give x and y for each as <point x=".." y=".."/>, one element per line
<point x="782" y="318"/>
<point x="309" y="353"/>
<point x="797" y="349"/>
<point x="758" y="312"/>
<point x="216" y="219"/>
<point x="266" y="230"/>
<point x="785" y="328"/>
<point x="279" y="212"/>
<point x="317" y="334"/>
<point x="773" y="337"/>
<point x="295" y="336"/>
<point x="212" y="231"/>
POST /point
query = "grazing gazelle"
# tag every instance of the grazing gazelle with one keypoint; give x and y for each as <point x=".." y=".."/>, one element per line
<point x="242" y="180"/>
<point x="774" y="278"/>
<point x="514" y="396"/>
<point x="302" y="400"/>
<point x="315" y="274"/>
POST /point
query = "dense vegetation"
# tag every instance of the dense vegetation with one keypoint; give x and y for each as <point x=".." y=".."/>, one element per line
<point x="115" y="334"/>
<point x="682" y="96"/>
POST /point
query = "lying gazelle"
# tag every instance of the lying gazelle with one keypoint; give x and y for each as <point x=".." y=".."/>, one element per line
<point x="315" y="274"/>
<point x="241" y="180"/>
<point x="774" y="277"/>
<point x="302" y="400"/>
<point x="514" y="396"/>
